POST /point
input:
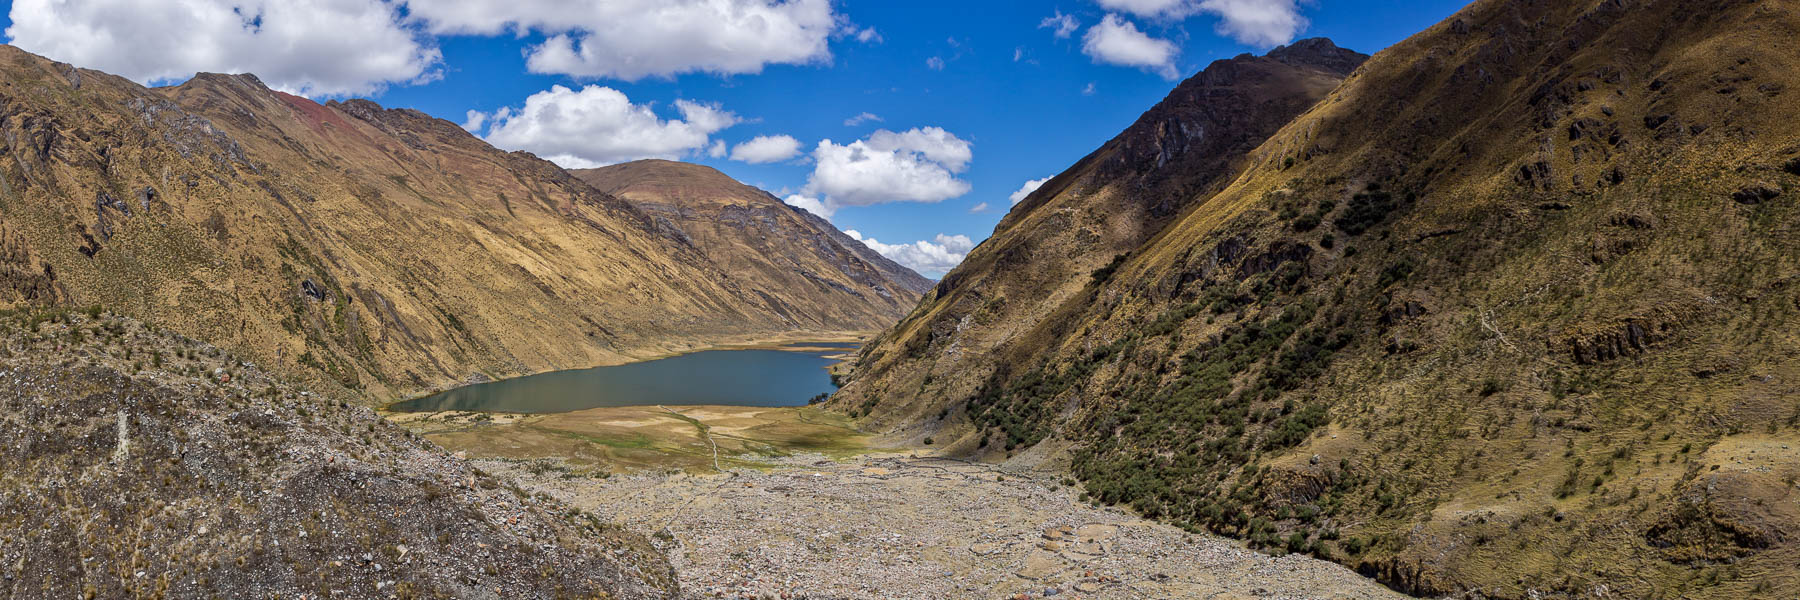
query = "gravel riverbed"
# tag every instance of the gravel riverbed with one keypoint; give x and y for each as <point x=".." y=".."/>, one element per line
<point x="905" y="527"/>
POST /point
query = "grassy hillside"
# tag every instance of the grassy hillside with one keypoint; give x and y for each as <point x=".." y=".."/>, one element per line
<point x="380" y="251"/>
<point x="1085" y="220"/>
<point x="1507" y="314"/>
<point x="823" y="278"/>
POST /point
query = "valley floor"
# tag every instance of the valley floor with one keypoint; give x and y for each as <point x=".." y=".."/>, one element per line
<point x="886" y="526"/>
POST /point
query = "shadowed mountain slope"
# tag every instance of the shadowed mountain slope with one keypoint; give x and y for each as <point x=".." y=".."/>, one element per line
<point x="1507" y="314"/>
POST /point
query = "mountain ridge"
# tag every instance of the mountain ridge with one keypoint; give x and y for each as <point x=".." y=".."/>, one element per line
<point x="1500" y="316"/>
<point x="381" y="250"/>
<point x="822" y="274"/>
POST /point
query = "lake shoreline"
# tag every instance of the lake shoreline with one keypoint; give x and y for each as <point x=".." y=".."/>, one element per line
<point x="827" y="345"/>
<point x="608" y="440"/>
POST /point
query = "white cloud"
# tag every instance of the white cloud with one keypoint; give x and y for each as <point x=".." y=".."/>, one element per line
<point x="935" y="144"/>
<point x="979" y="208"/>
<point x="916" y="165"/>
<point x="866" y="35"/>
<point x="766" y="149"/>
<point x="313" y="48"/>
<point x="810" y="204"/>
<point x="1090" y="89"/>
<point x="598" y="126"/>
<point x="473" y="120"/>
<point x="1062" y="25"/>
<point x="928" y="258"/>
<point x="1119" y="42"/>
<point x="717" y="149"/>
<point x="1152" y="9"/>
<point x="936" y="63"/>
<point x="633" y="39"/>
<point x="1264" y="23"/>
<point x="1027" y="189"/>
<point x="862" y="118"/>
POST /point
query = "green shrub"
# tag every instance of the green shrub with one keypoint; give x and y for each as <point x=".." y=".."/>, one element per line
<point x="1365" y="211"/>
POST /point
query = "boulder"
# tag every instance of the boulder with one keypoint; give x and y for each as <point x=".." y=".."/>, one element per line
<point x="1757" y="193"/>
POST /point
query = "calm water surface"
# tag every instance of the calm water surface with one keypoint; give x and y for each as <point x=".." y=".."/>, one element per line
<point x="721" y="377"/>
<point x="832" y="345"/>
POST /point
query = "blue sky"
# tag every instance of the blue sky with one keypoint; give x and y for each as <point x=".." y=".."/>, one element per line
<point x="976" y="98"/>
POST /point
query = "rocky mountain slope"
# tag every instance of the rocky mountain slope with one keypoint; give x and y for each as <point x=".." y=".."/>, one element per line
<point x="139" y="463"/>
<point x="1506" y="314"/>
<point x="378" y="250"/>
<point x="822" y="278"/>
<point x="1110" y="202"/>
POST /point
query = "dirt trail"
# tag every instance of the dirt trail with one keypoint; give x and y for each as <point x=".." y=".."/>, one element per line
<point x="705" y="432"/>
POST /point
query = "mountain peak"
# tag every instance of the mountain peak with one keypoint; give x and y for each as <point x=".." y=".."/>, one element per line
<point x="1319" y="52"/>
<point x="669" y="179"/>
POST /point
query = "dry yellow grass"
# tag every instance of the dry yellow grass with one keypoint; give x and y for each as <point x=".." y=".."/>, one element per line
<point x="1540" y="265"/>
<point x="381" y="251"/>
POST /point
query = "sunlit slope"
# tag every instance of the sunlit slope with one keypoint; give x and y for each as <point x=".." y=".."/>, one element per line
<point x="382" y="250"/>
<point x="823" y="278"/>
<point x="1508" y="312"/>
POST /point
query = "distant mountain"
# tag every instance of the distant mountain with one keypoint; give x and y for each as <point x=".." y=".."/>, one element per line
<point x="381" y="250"/>
<point x="1509" y="313"/>
<point x="823" y="278"/>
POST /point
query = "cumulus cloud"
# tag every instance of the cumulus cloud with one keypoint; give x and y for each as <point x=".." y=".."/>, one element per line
<point x="928" y="258"/>
<point x="473" y="120"/>
<point x="1151" y="9"/>
<point x="1027" y="189"/>
<point x="1263" y="23"/>
<point x="312" y="48"/>
<point x="766" y="149"/>
<point x="862" y="118"/>
<point x="1119" y="42"/>
<point x="634" y="39"/>
<point x="717" y="149"/>
<point x="810" y="204"/>
<point x="936" y="63"/>
<point x="1060" y="24"/>
<point x="916" y="165"/>
<point x="598" y="126"/>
